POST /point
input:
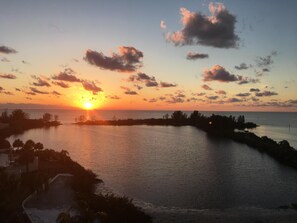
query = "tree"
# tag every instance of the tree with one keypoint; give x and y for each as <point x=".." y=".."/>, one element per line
<point x="29" y="144"/>
<point x="18" y="143"/>
<point x="38" y="146"/>
<point x="178" y="116"/>
<point x="195" y="115"/>
<point x="19" y="115"/>
<point x="4" y="144"/>
<point x="47" y="117"/>
<point x="4" y="117"/>
<point x="56" y="118"/>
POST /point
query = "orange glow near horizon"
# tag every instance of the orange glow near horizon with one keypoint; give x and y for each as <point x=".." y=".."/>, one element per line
<point x="88" y="105"/>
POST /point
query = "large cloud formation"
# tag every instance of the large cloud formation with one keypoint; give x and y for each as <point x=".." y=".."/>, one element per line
<point x="217" y="30"/>
<point x="7" y="50"/>
<point x="128" y="59"/>
<point x="219" y="73"/>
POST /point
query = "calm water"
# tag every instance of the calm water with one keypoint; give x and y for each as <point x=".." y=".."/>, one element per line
<point x="276" y="125"/>
<point x="174" y="166"/>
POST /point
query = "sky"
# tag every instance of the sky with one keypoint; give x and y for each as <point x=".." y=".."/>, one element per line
<point x="149" y="55"/>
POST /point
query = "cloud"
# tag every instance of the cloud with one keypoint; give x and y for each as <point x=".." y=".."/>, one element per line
<point x="212" y="97"/>
<point x="162" y="98"/>
<point x="199" y="94"/>
<point x="195" y="56"/>
<point x="242" y="66"/>
<point x="8" y="76"/>
<point x="91" y="86"/>
<point x="128" y="91"/>
<point x="36" y="91"/>
<point x="41" y="82"/>
<point x="7" y="50"/>
<point x="114" y="97"/>
<point x="162" y="25"/>
<point x="150" y="81"/>
<point x="56" y="93"/>
<point x="266" y="94"/>
<point x="218" y="73"/>
<point x="246" y="80"/>
<point x="266" y="61"/>
<point x="233" y="100"/>
<point x="61" y="84"/>
<point x="254" y="90"/>
<point x="221" y="92"/>
<point x="243" y="94"/>
<point x="4" y="59"/>
<point x="175" y="100"/>
<point x="217" y="30"/>
<point x="206" y="87"/>
<point x="66" y="75"/>
<point x="127" y="60"/>
<point x="166" y="84"/>
<point x="2" y="91"/>
<point x="152" y="100"/>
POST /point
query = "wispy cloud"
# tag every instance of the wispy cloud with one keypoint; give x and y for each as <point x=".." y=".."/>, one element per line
<point x="195" y="56"/>
<point x="8" y="76"/>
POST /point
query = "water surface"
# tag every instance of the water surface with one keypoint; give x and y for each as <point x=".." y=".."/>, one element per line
<point x="174" y="166"/>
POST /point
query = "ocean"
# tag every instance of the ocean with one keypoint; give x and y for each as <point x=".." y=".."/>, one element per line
<point x="177" y="169"/>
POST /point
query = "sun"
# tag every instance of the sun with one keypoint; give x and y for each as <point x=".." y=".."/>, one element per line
<point x="88" y="105"/>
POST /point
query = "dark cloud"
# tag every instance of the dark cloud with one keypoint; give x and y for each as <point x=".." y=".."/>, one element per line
<point x="66" y="75"/>
<point x="175" y="100"/>
<point x="91" y="86"/>
<point x="151" y="84"/>
<point x="246" y="80"/>
<point x="137" y="86"/>
<point x="265" y="70"/>
<point x="242" y="66"/>
<point x="166" y="84"/>
<point x="41" y="82"/>
<point x="233" y="100"/>
<point x="7" y="50"/>
<point x="217" y="30"/>
<point x="206" y="87"/>
<point x="180" y="95"/>
<point x="266" y="94"/>
<point x="36" y="91"/>
<point x="254" y="90"/>
<point x="199" y="94"/>
<point x="8" y="76"/>
<point x="221" y="92"/>
<point x="4" y="59"/>
<point x="195" y="56"/>
<point x="212" y="97"/>
<point x="6" y="92"/>
<point x="152" y="100"/>
<point x="128" y="91"/>
<point x="162" y="98"/>
<point x="243" y="94"/>
<point x="128" y="59"/>
<point x="56" y="93"/>
<point x="218" y="73"/>
<point x="114" y="97"/>
<point x="61" y="84"/>
<point x="150" y="81"/>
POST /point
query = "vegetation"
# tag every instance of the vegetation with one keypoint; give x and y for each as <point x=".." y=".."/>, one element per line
<point x="19" y="121"/>
<point x="13" y="189"/>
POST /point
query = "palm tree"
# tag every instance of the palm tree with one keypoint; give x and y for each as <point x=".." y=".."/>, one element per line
<point x="38" y="146"/>
<point x="18" y="143"/>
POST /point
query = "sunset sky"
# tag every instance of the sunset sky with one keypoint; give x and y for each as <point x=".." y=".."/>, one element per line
<point x="155" y="55"/>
